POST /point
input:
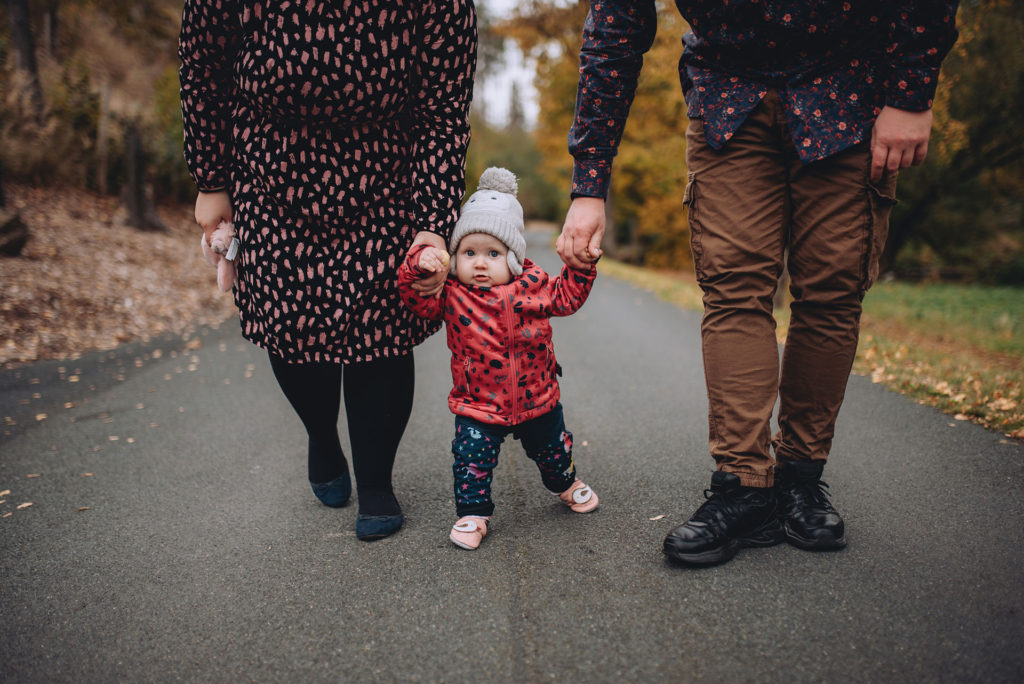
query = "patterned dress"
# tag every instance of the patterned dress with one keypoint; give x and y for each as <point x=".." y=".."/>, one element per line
<point x="340" y="130"/>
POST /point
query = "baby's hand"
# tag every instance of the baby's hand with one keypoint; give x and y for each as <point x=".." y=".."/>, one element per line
<point x="434" y="260"/>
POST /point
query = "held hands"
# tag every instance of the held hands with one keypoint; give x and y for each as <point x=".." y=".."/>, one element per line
<point x="579" y="245"/>
<point x="433" y="259"/>
<point x="899" y="140"/>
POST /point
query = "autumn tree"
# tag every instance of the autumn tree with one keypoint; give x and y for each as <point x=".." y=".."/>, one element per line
<point x="647" y="223"/>
<point x="962" y="212"/>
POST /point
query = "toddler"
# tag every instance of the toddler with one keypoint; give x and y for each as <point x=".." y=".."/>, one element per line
<point x="496" y="305"/>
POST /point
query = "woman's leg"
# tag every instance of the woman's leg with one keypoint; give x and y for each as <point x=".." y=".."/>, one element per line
<point x="314" y="391"/>
<point x="378" y="402"/>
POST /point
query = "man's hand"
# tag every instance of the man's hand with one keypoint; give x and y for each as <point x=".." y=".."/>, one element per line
<point x="432" y="284"/>
<point x="579" y="245"/>
<point x="899" y="140"/>
<point x="211" y="209"/>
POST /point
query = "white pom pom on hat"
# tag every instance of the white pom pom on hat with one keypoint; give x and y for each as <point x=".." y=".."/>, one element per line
<point x="494" y="209"/>
<point x="497" y="178"/>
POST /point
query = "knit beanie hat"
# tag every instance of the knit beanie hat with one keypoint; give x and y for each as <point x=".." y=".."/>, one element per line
<point x="494" y="209"/>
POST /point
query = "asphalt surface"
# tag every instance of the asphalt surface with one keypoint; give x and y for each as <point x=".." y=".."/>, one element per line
<point x="201" y="554"/>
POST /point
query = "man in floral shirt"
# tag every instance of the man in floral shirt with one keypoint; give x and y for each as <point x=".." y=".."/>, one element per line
<point x="801" y="115"/>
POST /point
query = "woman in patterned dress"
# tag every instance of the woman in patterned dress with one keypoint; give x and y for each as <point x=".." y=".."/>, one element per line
<point x="333" y="135"/>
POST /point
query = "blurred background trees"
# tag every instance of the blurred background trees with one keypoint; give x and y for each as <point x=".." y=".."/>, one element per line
<point x="78" y="76"/>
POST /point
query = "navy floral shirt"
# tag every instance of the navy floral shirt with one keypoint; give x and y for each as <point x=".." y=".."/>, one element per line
<point x="835" y="63"/>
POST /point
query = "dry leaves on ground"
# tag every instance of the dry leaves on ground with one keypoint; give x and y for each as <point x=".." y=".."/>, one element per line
<point x="86" y="281"/>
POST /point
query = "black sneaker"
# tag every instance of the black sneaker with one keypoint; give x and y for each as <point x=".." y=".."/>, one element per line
<point x="807" y="516"/>
<point x="732" y="517"/>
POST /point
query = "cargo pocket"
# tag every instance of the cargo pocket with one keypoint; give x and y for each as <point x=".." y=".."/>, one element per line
<point x="693" y="220"/>
<point x="881" y="199"/>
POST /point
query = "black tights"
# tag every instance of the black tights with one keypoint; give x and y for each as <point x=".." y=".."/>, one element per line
<point x="378" y="401"/>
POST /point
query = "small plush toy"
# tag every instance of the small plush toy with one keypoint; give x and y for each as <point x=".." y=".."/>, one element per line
<point x="221" y="252"/>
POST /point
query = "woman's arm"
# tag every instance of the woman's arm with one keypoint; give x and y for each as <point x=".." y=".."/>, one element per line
<point x="206" y="47"/>
<point x="442" y="90"/>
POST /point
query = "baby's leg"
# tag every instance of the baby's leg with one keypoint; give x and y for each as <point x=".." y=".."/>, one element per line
<point x="475" y="448"/>
<point x="549" y="445"/>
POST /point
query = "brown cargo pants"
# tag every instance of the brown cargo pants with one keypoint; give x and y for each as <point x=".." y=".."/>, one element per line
<point x="748" y="203"/>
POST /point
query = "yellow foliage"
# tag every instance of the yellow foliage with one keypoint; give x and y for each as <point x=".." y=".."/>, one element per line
<point x="650" y="170"/>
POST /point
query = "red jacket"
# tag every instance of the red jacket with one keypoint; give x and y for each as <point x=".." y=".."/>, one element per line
<point x="503" y="362"/>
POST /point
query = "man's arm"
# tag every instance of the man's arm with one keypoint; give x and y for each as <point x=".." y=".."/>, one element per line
<point x="922" y="34"/>
<point x="616" y="35"/>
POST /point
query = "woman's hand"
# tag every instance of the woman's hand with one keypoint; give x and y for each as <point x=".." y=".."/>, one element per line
<point x="211" y="209"/>
<point x="432" y="284"/>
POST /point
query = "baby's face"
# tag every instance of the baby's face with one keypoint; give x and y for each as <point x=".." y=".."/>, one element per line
<point x="482" y="260"/>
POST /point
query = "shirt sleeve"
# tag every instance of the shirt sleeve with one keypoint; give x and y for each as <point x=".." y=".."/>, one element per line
<point x="441" y="95"/>
<point x="922" y="35"/>
<point x="206" y="47"/>
<point x="616" y="35"/>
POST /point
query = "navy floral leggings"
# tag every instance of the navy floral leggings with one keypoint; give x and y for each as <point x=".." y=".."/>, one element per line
<point x="476" y="446"/>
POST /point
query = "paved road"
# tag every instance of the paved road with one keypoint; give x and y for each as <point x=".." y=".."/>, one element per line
<point x="204" y="557"/>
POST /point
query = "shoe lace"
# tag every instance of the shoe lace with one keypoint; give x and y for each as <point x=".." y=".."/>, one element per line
<point x="811" y="493"/>
<point x="716" y="506"/>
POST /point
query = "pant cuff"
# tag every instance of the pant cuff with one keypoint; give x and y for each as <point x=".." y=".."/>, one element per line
<point x="749" y="479"/>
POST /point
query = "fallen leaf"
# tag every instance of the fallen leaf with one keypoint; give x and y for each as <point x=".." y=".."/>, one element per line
<point x="1002" y="404"/>
<point x="73" y="378"/>
<point x="40" y="416"/>
<point x="961" y="416"/>
<point x="8" y="514"/>
<point x="130" y="440"/>
<point x="113" y="438"/>
<point x="32" y="475"/>
<point x="83" y="508"/>
<point x="5" y="492"/>
<point x="23" y="505"/>
<point x="86" y="474"/>
<point x="657" y="517"/>
<point x="69" y="404"/>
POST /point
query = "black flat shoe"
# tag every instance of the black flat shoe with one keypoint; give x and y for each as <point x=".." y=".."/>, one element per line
<point x="373" y="527"/>
<point x="334" y="493"/>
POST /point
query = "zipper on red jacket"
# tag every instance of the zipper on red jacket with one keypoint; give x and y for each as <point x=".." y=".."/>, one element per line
<point x="513" y="371"/>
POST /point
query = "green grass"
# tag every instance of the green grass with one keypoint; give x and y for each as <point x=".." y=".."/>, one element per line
<point x="959" y="348"/>
<point x="989" y="318"/>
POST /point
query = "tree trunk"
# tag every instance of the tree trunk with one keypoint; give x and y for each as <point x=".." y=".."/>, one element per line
<point x="103" y="138"/>
<point x="141" y="214"/>
<point x="27" y="72"/>
<point x="50" y="26"/>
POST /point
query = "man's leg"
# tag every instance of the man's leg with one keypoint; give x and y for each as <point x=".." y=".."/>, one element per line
<point x="839" y="226"/>
<point x="738" y="214"/>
